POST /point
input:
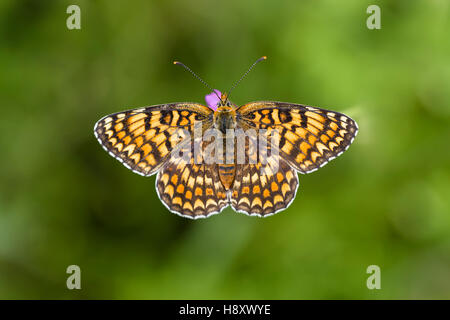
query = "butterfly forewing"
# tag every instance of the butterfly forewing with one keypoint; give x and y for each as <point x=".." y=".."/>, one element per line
<point x="143" y="139"/>
<point x="308" y="137"/>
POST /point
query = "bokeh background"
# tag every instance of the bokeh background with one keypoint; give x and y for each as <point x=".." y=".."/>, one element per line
<point x="64" y="200"/>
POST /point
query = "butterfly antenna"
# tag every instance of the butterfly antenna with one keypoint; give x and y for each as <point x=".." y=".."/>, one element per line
<point x="249" y="69"/>
<point x="196" y="76"/>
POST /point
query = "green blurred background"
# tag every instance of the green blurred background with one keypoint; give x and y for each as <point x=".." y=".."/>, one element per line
<point x="64" y="200"/>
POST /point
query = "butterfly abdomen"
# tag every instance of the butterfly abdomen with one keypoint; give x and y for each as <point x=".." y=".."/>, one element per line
<point x="226" y="175"/>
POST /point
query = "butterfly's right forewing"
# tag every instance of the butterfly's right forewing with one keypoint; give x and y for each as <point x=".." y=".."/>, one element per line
<point x="143" y="139"/>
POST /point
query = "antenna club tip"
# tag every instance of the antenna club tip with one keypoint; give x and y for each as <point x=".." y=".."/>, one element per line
<point x="264" y="57"/>
<point x="176" y="62"/>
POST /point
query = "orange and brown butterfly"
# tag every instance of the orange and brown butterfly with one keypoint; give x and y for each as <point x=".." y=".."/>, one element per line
<point x="145" y="139"/>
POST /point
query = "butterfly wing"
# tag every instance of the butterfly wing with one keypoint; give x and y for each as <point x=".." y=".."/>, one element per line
<point x="263" y="190"/>
<point x="309" y="137"/>
<point x="143" y="139"/>
<point x="191" y="188"/>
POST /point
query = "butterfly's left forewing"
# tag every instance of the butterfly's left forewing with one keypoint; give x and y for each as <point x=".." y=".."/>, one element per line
<point x="143" y="139"/>
<point x="306" y="137"/>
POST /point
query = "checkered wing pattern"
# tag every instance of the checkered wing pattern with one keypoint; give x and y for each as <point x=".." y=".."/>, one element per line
<point x="308" y="137"/>
<point x="143" y="139"/>
<point x="191" y="189"/>
<point x="263" y="190"/>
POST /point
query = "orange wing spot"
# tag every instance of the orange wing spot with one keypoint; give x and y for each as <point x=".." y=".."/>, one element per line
<point x="139" y="131"/>
<point x="285" y="188"/>
<point x="188" y="206"/>
<point x="180" y="188"/>
<point x="191" y="182"/>
<point x="209" y="192"/>
<point x="267" y="204"/>
<point x="121" y="134"/>
<point x="150" y="160"/>
<point x="174" y="179"/>
<point x="163" y="150"/>
<point x="245" y="190"/>
<point x="278" y="198"/>
<point x="139" y="141"/>
<point x="149" y="134"/>
<point x="135" y="125"/>
<point x="274" y="186"/>
<point x="188" y="195"/>
<point x="119" y="146"/>
<point x="184" y="113"/>
<point x="314" y="156"/>
<point x="283" y="117"/>
<point x="244" y="199"/>
<point x="184" y="122"/>
<point x="165" y="178"/>
<point x="291" y="137"/>
<point x="312" y="139"/>
<point x="113" y="141"/>
<point x="158" y="139"/>
<point x="169" y="190"/>
<point x="301" y="132"/>
<point x="300" y="157"/>
<point x="315" y="123"/>
<point x="315" y="116"/>
<point x="127" y="140"/>
<point x="211" y="202"/>
<point x="280" y="177"/>
<point x="198" y="191"/>
<point x="146" y="148"/>
<point x="136" y="157"/>
<point x="256" y="189"/>
<point x="136" y="117"/>
<point x="199" y="204"/>
<point x="313" y="129"/>
<point x="333" y="126"/>
<point x="321" y="147"/>
<point x="304" y="147"/>
<point x="265" y="111"/>
<point x="109" y="133"/>
<point x="266" y="193"/>
<point x="332" y="145"/>
<point x="324" y="138"/>
<point x="175" y="118"/>
<point x="287" y="148"/>
<point x="266" y="120"/>
<point x="118" y="126"/>
<point x="177" y="200"/>
<point x="308" y="163"/>
<point x="235" y="194"/>
<point x="289" y="175"/>
<point x="330" y="133"/>
<point x="256" y="202"/>
<point x="167" y="118"/>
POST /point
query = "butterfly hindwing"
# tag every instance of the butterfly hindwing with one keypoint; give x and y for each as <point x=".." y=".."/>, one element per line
<point x="263" y="190"/>
<point x="191" y="188"/>
<point x="142" y="139"/>
<point x="308" y="137"/>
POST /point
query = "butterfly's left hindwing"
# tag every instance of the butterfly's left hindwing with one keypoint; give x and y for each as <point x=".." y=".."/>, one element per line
<point x="143" y="139"/>
<point x="308" y="137"/>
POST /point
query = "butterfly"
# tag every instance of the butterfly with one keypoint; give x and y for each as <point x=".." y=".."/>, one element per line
<point x="146" y="139"/>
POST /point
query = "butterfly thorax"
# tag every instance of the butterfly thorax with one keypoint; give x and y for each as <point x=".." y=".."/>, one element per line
<point x="225" y="118"/>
